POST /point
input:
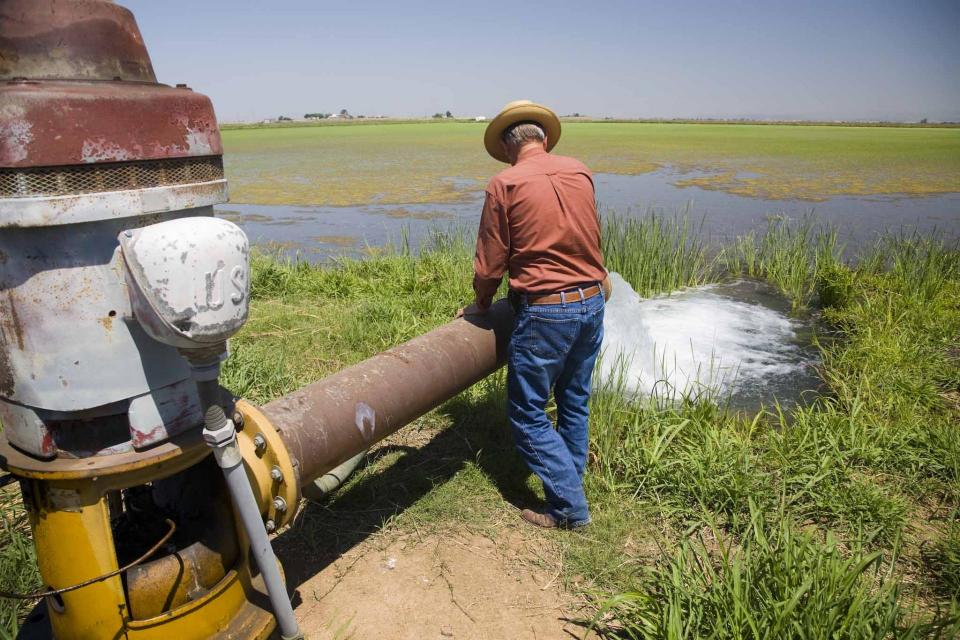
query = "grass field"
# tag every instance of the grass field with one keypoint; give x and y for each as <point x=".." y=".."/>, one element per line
<point x="441" y="161"/>
<point x="835" y="519"/>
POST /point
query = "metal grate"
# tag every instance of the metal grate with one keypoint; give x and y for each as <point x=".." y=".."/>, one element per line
<point x="115" y="176"/>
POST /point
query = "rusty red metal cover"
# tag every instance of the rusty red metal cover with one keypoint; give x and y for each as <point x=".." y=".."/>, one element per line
<point x="52" y="123"/>
<point x="71" y="40"/>
<point x="77" y="87"/>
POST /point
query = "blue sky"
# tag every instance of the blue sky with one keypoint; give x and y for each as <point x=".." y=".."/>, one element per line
<point x="850" y="59"/>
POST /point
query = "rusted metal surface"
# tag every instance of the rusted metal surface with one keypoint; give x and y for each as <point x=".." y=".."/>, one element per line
<point x="77" y="179"/>
<point x="131" y="203"/>
<point x="77" y="87"/>
<point x="187" y="574"/>
<point x="47" y="123"/>
<point x="121" y="470"/>
<point x="329" y="421"/>
<point x="67" y="333"/>
<point x="71" y="39"/>
<point x="162" y="414"/>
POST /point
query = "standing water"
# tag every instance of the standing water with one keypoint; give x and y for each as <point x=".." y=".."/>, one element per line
<point x="730" y="342"/>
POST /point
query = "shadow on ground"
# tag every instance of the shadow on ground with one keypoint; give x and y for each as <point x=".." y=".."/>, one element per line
<point x="478" y="433"/>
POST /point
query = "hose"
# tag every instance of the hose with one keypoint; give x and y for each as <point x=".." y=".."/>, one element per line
<point x="333" y="479"/>
<point x="220" y="434"/>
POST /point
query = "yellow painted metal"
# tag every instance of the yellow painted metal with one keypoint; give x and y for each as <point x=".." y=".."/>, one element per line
<point x="226" y="611"/>
<point x="70" y="518"/>
<point x="71" y="531"/>
<point x="74" y="541"/>
<point x="260" y="462"/>
<point x="170" y="581"/>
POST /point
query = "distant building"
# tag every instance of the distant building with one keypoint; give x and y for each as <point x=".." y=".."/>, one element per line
<point x="480" y="118"/>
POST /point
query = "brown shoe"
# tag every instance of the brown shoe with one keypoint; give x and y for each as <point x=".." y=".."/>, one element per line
<point x="538" y="519"/>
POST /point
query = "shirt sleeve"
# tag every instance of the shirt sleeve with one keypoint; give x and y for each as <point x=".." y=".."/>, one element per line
<point x="493" y="250"/>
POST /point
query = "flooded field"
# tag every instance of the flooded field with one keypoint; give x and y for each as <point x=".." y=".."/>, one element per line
<point x="322" y="191"/>
<point x="444" y="162"/>
<point x="315" y="233"/>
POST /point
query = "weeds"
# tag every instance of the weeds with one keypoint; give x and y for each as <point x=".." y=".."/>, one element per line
<point x="656" y="254"/>
<point x="776" y="582"/>
<point x="18" y="571"/>
<point x="794" y="257"/>
<point x="808" y="508"/>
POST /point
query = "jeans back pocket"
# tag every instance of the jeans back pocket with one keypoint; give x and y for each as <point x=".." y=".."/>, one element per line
<point x="551" y="337"/>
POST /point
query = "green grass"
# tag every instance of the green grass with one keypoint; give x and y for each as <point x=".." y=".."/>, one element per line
<point x="18" y="572"/>
<point x="392" y="163"/>
<point x="864" y="477"/>
<point x="798" y="258"/>
<point x="656" y="254"/>
<point x="774" y="582"/>
<point x="836" y="518"/>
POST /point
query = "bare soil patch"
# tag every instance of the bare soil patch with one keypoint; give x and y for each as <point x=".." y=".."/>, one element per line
<point x="458" y="585"/>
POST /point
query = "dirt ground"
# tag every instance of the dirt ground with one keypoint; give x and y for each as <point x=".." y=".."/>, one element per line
<point x="456" y="586"/>
<point x="365" y="566"/>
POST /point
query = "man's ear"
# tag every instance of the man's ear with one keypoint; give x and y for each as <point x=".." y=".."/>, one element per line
<point x="546" y="140"/>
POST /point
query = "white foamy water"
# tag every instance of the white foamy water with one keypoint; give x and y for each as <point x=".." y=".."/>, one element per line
<point x="697" y="341"/>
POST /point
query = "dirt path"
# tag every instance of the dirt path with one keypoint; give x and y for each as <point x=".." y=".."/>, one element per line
<point x="456" y="586"/>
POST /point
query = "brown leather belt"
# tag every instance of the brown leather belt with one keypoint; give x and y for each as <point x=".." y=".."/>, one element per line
<point x="573" y="295"/>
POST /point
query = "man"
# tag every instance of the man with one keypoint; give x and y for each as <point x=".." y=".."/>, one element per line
<point x="539" y="224"/>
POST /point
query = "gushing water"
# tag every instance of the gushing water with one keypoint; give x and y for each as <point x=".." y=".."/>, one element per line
<point x="719" y="341"/>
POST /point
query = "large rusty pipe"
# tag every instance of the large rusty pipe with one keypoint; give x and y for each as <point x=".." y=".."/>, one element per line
<point x="327" y="422"/>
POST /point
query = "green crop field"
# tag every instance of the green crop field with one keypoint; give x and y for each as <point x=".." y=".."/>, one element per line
<point x="419" y="162"/>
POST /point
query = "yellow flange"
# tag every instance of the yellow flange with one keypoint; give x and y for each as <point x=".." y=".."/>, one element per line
<point x="269" y="467"/>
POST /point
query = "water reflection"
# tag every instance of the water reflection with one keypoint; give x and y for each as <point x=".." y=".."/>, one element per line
<point x="317" y="233"/>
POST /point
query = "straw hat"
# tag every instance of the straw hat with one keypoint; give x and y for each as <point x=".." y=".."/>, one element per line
<point x="520" y="111"/>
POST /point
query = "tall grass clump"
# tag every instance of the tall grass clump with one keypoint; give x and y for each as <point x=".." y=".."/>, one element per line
<point x="689" y="459"/>
<point x="896" y="370"/>
<point x="776" y="582"/>
<point x="792" y="255"/>
<point x="656" y="254"/>
<point x="18" y="564"/>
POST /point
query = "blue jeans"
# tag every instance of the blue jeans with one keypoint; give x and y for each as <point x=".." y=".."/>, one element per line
<point x="555" y="346"/>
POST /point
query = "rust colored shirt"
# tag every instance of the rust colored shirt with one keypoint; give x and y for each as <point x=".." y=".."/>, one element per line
<point x="539" y="223"/>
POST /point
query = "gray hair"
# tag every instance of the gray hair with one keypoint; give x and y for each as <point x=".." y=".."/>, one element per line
<point x="523" y="132"/>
